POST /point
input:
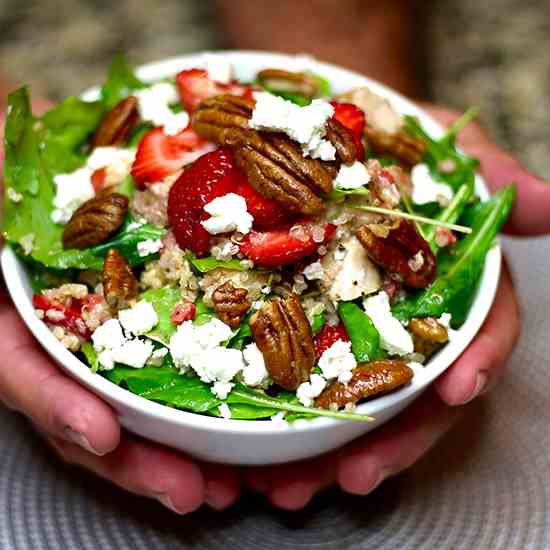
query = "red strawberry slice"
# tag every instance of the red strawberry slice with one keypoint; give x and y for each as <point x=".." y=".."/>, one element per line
<point x="192" y="190"/>
<point x="159" y="155"/>
<point x="353" y="118"/>
<point x="285" y="245"/>
<point x="195" y="85"/>
<point x="184" y="311"/>
<point x="57" y="314"/>
<point x="99" y="179"/>
<point x="327" y="336"/>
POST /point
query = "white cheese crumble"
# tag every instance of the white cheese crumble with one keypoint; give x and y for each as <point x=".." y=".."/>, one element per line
<point x="445" y="320"/>
<point x="154" y="106"/>
<point x="157" y="357"/>
<point x="71" y="191"/>
<point x="426" y="189"/>
<point x="139" y="319"/>
<point x="393" y="336"/>
<point x="308" y="391"/>
<point x="338" y="361"/>
<point x="279" y="417"/>
<point x="314" y="271"/>
<point x="13" y="195"/>
<point x="148" y="247"/>
<point x="221" y="389"/>
<point x="352" y="176"/>
<point x="306" y="125"/>
<point x="218" y="67"/>
<point x="133" y="353"/>
<point x="254" y="373"/>
<point x="225" y="411"/>
<point x="227" y="213"/>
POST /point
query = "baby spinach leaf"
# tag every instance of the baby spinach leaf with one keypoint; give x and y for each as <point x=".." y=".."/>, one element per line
<point x="244" y="411"/>
<point x="365" y="339"/>
<point x="121" y="82"/>
<point x="203" y="265"/>
<point x="460" y="268"/>
<point x="164" y="301"/>
<point x="203" y="314"/>
<point x="318" y="322"/>
<point x="90" y="355"/>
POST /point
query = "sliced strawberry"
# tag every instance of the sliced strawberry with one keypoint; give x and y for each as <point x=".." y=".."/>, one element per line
<point x="57" y="314"/>
<point x="159" y="155"/>
<point x="353" y="118"/>
<point x="185" y="311"/>
<point x="283" y="246"/>
<point x="327" y="336"/>
<point x="194" y="85"/>
<point x="191" y="191"/>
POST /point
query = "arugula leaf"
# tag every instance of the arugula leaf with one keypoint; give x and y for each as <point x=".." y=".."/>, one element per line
<point x="460" y="267"/>
<point x="87" y="349"/>
<point x="203" y="265"/>
<point x="365" y="339"/>
<point x="121" y="82"/>
<point x="164" y="301"/>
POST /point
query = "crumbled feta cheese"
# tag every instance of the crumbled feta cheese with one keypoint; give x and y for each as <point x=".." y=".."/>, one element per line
<point x="218" y="67"/>
<point x="72" y="190"/>
<point x="393" y="336"/>
<point x="149" y="246"/>
<point x="227" y="213"/>
<point x="117" y="158"/>
<point x="157" y="357"/>
<point x="224" y="249"/>
<point x="133" y="353"/>
<point x="337" y="361"/>
<point x="108" y="335"/>
<point x="350" y="272"/>
<point x="445" y="320"/>
<point x="154" y="106"/>
<point x="314" y="271"/>
<point x="254" y="373"/>
<point x="27" y="243"/>
<point x="352" y="176"/>
<point x="279" y="417"/>
<point x="221" y="389"/>
<point x="225" y="411"/>
<point x="13" y="195"/>
<point x="426" y="189"/>
<point x="306" y="125"/>
<point x="139" y="319"/>
<point x="219" y="364"/>
<point x="308" y="391"/>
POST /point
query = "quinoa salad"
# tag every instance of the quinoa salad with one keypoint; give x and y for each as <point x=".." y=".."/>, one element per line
<point x="246" y="250"/>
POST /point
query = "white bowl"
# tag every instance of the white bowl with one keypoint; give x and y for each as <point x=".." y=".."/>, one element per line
<point x="242" y="441"/>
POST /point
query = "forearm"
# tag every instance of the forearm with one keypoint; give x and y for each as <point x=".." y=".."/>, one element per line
<point x="374" y="37"/>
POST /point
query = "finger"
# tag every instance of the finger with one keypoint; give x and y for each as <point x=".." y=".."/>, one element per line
<point x="31" y="384"/>
<point x="530" y="212"/>
<point x="145" y="469"/>
<point x="482" y="363"/>
<point x="222" y="485"/>
<point x="364" y="464"/>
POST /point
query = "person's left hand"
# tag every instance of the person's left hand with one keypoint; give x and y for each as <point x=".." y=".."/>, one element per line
<point x="362" y="465"/>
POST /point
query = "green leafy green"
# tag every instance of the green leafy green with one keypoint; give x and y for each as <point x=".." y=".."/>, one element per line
<point x="121" y="82"/>
<point x="365" y="339"/>
<point x="203" y="314"/>
<point x="243" y="334"/>
<point x="203" y="265"/>
<point x="340" y="194"/>
<point x="164" y="301"/>
<point x="87" y="349"/>
<point x="318" y="322"/>
<point x="300" y="99"/>
<point x="460" y="268"/>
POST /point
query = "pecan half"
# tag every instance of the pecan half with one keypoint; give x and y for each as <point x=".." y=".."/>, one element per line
<point x="276" y="167"/>
<point x="96" y="220"/>
<point x="283" y="335"/>
<point x="230" y="303"/>
<point x="222" y="119"/>
<point x="342" y="139"/>
<point x="120" y="285"/>
<point x="428" y="335"/>
<point x="368" y="379"/>
<point x="117" y="124"/>
<point x="403" y="252"/>
<point x="290" y="82"/>
<point x="402" y="146"/>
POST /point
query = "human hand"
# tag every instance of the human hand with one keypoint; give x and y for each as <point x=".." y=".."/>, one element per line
<point x="362" y="465"/>
<point x="84" y="431"/>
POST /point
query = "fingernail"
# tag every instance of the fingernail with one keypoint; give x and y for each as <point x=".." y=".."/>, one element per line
<point x="165" y="500"/>
<point x="479" y="388"/>
<point x="81" y="440"/>
<point x="382" y="476"/>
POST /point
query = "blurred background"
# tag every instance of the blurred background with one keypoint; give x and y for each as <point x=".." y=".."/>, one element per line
<point x="491" y="53"/>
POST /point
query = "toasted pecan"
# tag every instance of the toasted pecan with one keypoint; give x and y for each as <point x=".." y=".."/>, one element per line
<point x="428" y="335"/>
<point x="230" y="303"/>
<point x="368" y="379"/>
<point x="117" y="124"/>
<point x="403" y="252"/>
<point x="289" y="82"/>
<point x="342" y="139"/>
<point x="283" y="335"/>
<point x="96" y="220"/>
<point x="120" y="286"/>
